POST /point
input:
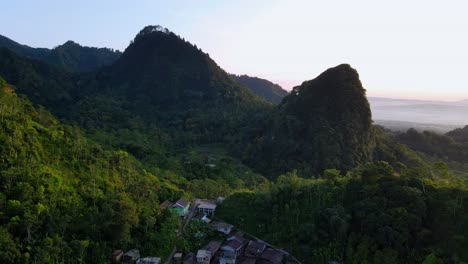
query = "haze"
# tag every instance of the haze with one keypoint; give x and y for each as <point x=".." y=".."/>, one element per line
<point x="402" y="49"/>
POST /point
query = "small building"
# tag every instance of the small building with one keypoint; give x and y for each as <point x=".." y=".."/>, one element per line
<point x="206" y="206"/>
<point x="149" y="260"/>
<point x="254" y="249"/>
<point x="228" y="257"/>
<point x="165" y="204"/>
<point x="212" y="246"/>
<point x="180" y="207"/>
<point x="222" y="227"/>
<point x="117" y="256"/>
<point x="203" y="256"/>
<point x="235" y="246"/>
<point x="177" y="257"/>
<point x="239" y="236"/>
<point x="131" y="256"/>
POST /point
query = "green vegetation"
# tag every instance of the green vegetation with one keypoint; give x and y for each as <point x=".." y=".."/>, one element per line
<point x="65" y="199"/>
<point x="163" y="121"/>
<point x="265" y="89"/>
<point x="69" y="56"/>
<point x="324" y="123"/>
<point x="371" y="215"/>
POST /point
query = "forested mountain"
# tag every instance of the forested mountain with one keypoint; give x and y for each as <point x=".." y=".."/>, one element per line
<point x="269" y="91"/>
<point x="324" y="123"/>
<point x="459" y="134"/>
<point x="69" y="56"/>
<point x="162" y="120"/>
<point x="65" y="199"/>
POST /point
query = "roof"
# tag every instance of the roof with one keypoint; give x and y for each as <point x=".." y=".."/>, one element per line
<point x="134" y="253"/>
<point x="202" y="253"/>
<point x="149" y="260"/>
<point x="234" y="244"/>
<point x="239" y="236"/>
<point x="212" y="246"/>
<point x="217" y="224"/>
<point x="165" y="204"/>
<point x="205" y="204"/>
<point x="182" y="202"/>
<point x="255" y="248"/>
<point x="272" y="256"/>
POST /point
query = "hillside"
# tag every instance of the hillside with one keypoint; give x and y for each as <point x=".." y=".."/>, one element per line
<point x="324" y="123"/>
<point x="64" y="198"/>
<point x="310" y="174"/>
<point x="267" y="90"/>
<point x="70" y="56"/>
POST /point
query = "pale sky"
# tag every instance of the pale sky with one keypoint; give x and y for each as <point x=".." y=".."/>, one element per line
<point x="401" y="49"/>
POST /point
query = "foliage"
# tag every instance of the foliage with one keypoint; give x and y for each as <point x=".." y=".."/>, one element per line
<point x="267" y="90"/>
<point x="369" y="216"/>
<point x="324" y="123"/>
<point x="65" y="199"/>
<point x="70" y="56"/>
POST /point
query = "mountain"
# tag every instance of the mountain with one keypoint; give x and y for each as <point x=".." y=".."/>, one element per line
<point x="64" y="198"/>
<point x="161" y="91"/>
<point x="323" y="123"/>
<point x="164" y="80"/>
<point x="269" y="91"/>
<point x="69" y="56"/>
<point x="44" y="84"/>
<point x="164" y="121"/>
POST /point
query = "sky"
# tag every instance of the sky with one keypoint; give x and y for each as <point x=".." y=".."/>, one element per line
<point x="402" y="49"/>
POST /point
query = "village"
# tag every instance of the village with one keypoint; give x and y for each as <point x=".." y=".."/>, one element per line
<point x="235" y="247"/>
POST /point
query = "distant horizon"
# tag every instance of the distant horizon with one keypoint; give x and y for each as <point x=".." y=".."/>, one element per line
<point x="407" y="50"/>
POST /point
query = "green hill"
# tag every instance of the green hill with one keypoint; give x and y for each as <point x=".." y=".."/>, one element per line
<point x="267" y="90"/>
<point x="66" y="199"/>
<point x="324" y="123"/>
<point x="69" y="56"/>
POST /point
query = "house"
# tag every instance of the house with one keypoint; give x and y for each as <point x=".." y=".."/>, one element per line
<point x="228" y="257"/>
<point x="131" y="256"/>
<point x="235" y="244"/>
<point x="212" y="246"/>
<point x="272" y="256"/>
<point x="239" y="236"/>
<point x="254" y="249"/>
<point x="117" y="256"/>
<point x="206" y="206"/>
<point x="205" y="254"/>
<point x="180" y="207"/>
<point x="222" y="227"/>
<point x="189" y="258"/>
<point x="149" y="260"/>
<point x="177" y="257"/>
<point x="165" y="204"/>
